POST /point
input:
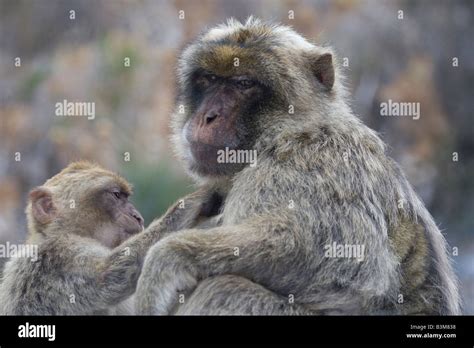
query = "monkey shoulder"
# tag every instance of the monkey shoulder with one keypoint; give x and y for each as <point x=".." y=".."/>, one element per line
<point x="68" y="251"/>
<point x="60" y="265"/>
<point x="325" y="173"/>
<point x="325" y="157"/>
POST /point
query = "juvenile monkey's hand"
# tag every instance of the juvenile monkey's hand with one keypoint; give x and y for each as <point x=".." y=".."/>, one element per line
<point x="186" y="212"/>
<point x="166" y="277"/>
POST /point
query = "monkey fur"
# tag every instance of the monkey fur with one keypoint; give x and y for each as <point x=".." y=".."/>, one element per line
<point x="90" y="253"/>
<point x="322" y="177"/>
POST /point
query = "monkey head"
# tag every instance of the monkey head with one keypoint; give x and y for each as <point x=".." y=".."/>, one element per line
<point x="236" y="83"/>
<point x="86" y="200"/>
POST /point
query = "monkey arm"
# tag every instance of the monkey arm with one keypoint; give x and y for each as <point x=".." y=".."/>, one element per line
<point x="83" y="276"/>
<point x="283" y="250"/>
<point x="175" y="264"/>
<point x="120" y="270"/>
<point x="106" y="277"/>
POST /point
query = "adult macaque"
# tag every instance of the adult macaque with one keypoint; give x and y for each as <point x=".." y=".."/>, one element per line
<point x="322" y="179"/>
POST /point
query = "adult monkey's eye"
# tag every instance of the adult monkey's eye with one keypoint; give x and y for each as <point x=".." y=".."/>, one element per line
<point x="206" y="79"/>
<point x="116" y="194"/>
<point x="211" y="77"/>
<point x="246" y="83"/>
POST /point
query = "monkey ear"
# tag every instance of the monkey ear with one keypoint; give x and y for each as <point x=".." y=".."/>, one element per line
<point x="42" y="206"/>
<point x="323" y="70"/>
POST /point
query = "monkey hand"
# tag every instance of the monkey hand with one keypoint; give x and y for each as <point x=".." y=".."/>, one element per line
<point x="186" y="212"/>
<point x="205" y="202"/>
<point x="166" y="279"/>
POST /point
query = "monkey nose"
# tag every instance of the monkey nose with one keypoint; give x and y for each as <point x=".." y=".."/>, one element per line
<point x="210" y="116"/>
<point x="139" y="218"/>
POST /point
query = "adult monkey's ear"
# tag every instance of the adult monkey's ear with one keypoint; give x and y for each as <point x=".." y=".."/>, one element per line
<point x="323" y="70"/>
<point x="42" y="206"/>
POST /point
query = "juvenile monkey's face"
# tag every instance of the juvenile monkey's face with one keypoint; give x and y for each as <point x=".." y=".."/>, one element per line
<point x="87" y="200"/>
<point x="121" y="219"/>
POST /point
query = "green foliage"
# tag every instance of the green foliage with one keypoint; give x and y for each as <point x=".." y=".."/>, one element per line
<point x="30" y="83"/>
<point x="156" y="187"/>
<point x="116" y="76"/>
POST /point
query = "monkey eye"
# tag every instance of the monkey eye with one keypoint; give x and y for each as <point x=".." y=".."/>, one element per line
<point x="211" y="77"/>
<point x="116" y="194"/>
<point x="206" y="79"/>
<point x="245" y="83"/>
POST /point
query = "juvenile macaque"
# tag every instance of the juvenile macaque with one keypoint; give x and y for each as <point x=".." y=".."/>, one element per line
<point x="90" y="246"/>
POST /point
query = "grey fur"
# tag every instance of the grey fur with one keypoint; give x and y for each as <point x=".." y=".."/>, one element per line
<point x="345" y="190"/>
<point x="76" y="275"/>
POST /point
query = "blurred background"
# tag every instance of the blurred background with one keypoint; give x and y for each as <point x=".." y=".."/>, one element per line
<point x="409" y="59"/>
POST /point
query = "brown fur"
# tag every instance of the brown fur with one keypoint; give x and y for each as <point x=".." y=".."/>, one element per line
<point x="73" y="262"/>
<point x="344" y="189"/>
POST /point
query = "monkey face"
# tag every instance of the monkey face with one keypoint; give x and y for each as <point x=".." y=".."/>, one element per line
<point x="221" y="120"/>
<point x="121" y="218"/>
<point x="87" y="200"/>
<point x="239" y="81"/>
